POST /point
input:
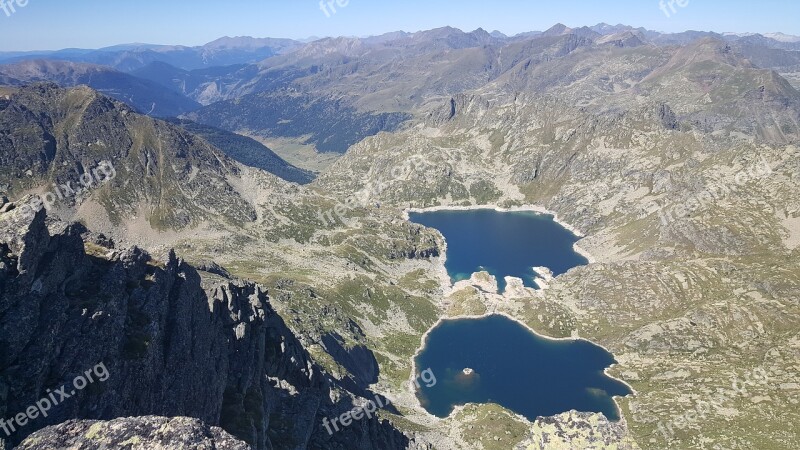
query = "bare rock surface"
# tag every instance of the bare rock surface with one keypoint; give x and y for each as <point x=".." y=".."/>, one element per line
<point x="133" y="433"/>
<point x="171" y="348"/>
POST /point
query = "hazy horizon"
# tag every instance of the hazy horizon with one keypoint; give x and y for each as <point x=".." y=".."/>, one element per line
<point x="96" y="24"/>
<point x="312" y="38"/>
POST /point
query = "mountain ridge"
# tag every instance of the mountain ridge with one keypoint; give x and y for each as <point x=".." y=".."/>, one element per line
<point x="172" y="342"/>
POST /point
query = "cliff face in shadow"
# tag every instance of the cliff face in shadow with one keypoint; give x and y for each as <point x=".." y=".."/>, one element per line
<point x="69" y="302"/>
<point x="357" y="360"/>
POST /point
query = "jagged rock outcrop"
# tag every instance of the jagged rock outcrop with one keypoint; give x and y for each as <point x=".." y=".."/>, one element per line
<point x="456" y="105"/>
<point x="136" y="433"/>
<point x="419" y="244"/>
<point x="167" y="346"/>
<point x="667" y="117"/>
<point x="574" y="429"/>
<point x="213" y="267"/>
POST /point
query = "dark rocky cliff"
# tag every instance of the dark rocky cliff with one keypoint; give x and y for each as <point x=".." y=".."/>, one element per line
<point x="69" y="302"/>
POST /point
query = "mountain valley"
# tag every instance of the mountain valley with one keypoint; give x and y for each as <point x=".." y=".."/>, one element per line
<point x="249" y="297"/>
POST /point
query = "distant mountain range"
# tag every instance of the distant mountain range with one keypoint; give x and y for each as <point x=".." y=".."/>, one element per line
<point x="127" y="57"/>
<point x="331" y="93"/>
<point x="676" y="155"/>
<point x="780" y="37"/>
<point x="146" y="96"/>
<point x="248" y="50"/>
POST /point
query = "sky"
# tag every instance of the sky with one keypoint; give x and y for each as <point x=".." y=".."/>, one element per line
<point x="57" y="24"/>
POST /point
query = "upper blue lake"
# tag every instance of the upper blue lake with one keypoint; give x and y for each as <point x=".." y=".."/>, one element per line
<point x="516" y="369"/>
<point x="502" y="243"/>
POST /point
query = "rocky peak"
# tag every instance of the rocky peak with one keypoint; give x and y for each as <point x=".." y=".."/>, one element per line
<point x="556" y="30"/>
<point x="171" y="348"/>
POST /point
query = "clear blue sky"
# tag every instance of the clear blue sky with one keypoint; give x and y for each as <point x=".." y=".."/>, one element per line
<point x="55" y="24"/>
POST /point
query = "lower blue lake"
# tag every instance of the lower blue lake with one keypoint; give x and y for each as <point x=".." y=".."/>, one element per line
<point x="509" y="365"/>
<point x="502" y="243"/>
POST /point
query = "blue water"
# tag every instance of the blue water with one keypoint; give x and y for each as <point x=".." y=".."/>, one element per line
<point x="502" y="243"/>
<point x="516" y="369"/>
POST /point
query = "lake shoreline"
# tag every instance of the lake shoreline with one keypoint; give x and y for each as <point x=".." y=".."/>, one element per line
<point x="424" y="341"/>
<point x="527" y="208"/>
<point x="447" y="285"/>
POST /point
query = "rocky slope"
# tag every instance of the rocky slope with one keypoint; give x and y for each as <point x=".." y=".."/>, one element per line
<point x="678" y="162"/>
<point x="714" y="79"/>
<point x="53" y="138"/>
<point x="329" y="124"/>
<point x="685" y="180"/>
<point x="173" y="343"/>
<point x="247" y="151"/>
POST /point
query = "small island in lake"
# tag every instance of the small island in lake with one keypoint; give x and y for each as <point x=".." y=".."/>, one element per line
<point x="494" y="359"/>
